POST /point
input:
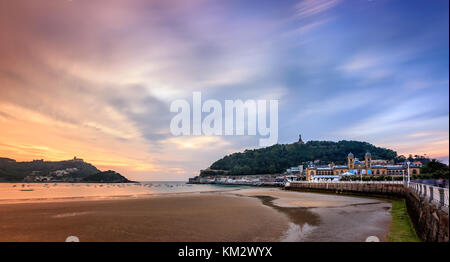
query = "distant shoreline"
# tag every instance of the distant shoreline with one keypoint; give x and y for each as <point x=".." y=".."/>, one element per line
<point x="65" y="182"/>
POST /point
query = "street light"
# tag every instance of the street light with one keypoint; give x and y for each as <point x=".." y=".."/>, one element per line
<point x="408" y="163"/>
<point x="403" y="177"/>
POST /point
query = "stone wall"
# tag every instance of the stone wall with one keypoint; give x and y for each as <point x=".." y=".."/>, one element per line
<point x="430" y="222"/>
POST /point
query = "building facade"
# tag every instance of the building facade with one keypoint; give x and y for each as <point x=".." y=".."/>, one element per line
<point x="354" y="166"/>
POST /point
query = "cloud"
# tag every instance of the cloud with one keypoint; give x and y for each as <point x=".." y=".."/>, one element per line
<point x="361" y="62"/>
<point x="375" y="65"/>
<point x="307" y="8"/>
<point x="196" y="142"/>
<point x="104" y="89"/>
<point x="94" y="80"/>
<point x="395" y="117"/>
<point x="423" y="83"/>
<point x="393" y="125"/>
<point x="337" y="103"/>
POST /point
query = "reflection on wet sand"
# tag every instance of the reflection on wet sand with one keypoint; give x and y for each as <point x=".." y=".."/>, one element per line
<point x="302" y="221"/>
<point x="326" y="217"/>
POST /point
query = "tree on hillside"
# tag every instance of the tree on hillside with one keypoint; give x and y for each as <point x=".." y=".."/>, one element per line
<point x="434" y="166"/>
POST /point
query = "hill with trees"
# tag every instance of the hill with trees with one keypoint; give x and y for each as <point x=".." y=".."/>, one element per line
<point x="106" y="177"/>
<point x="434" y="170"/>
<point x="75" y="170"/>
<point x="279" y="157"/>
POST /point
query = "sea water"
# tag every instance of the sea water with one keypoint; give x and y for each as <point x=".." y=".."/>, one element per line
<point x="31" y="192"/>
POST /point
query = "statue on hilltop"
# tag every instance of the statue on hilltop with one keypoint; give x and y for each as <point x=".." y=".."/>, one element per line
<point x="300" y="141"/>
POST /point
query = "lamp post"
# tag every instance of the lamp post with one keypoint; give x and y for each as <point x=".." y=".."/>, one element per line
<point x="408" y="172"/>
<point x="403" y="177"/>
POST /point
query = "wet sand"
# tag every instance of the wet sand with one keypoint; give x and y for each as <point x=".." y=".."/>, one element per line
<point x="326" y="217"/>
<point x="188" y="217"/>
<point x="255" y="214"/>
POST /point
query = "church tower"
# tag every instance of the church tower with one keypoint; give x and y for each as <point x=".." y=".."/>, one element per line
<point x="368" y="160"/>
<point x="351" y="161"/>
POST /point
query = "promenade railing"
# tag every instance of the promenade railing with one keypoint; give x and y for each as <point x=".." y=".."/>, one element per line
<point x="436" y="195"/>
<point x="353" y="182"/>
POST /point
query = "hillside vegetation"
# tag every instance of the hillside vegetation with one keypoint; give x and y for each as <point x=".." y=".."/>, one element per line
<point x="276" y="158"/>
<point x="74" y="170"/>
<point x="106" y="177"/>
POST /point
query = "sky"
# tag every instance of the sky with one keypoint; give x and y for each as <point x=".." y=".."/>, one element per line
<point x="95" y="79"/>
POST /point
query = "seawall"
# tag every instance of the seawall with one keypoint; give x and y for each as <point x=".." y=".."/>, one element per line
<point x="430" y="220"/>
<point x="382" y="190"/>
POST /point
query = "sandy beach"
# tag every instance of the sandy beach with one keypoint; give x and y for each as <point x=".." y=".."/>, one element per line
<point x="254" y="214"/>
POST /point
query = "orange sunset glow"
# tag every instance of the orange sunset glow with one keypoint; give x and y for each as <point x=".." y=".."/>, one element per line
<point x="95" y="80"/>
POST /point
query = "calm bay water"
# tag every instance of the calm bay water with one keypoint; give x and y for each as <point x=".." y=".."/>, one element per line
<point x="31" y="192"/>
